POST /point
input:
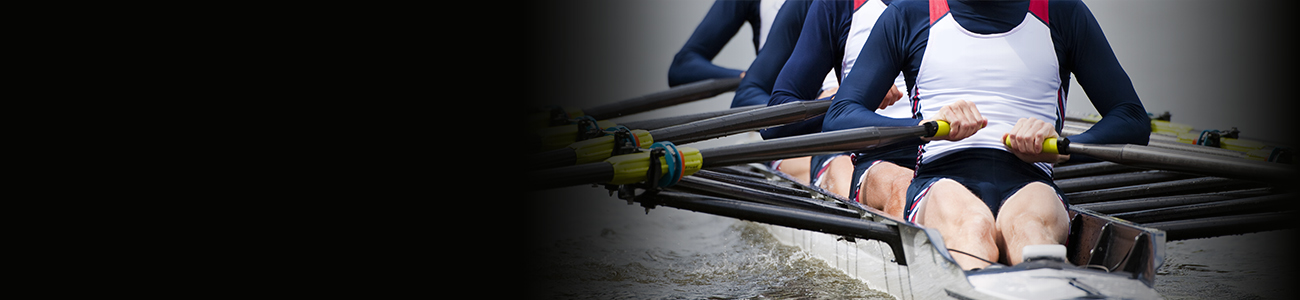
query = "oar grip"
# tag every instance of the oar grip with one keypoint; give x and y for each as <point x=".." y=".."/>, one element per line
<point x="936" y="128"/>
<point x="1050" y="145"/>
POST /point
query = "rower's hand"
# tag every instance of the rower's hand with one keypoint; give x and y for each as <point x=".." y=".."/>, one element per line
<point x="963" y="120"/>
<point x="1026" y="141"/>
<point x="891" y="97"/>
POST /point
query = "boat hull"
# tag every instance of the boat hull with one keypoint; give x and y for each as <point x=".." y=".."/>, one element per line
<point x="1109" y="259"/>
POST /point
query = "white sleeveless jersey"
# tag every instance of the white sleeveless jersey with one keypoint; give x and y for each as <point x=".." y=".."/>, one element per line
<point x="1007" y="76"/>
<point x="864" y="17"/>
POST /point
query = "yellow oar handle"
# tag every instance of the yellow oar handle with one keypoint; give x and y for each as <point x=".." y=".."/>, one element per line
<point x="598" y="149"/>
<point x="941" y="127"/>
<point x="631" y="168"/>
<point x="1049" y="145"/>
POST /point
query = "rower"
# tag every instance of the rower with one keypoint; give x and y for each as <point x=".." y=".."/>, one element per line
<point x="994" y="71"/>
<point x="829" y="35"/>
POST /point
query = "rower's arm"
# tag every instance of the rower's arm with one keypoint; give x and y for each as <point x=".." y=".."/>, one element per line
<point x="879" y="62"/>
<point x="1090" y="58"/>
<point x="756" y="88"/>
<point x="816" y="53"/>
<point x="694" y="62"/>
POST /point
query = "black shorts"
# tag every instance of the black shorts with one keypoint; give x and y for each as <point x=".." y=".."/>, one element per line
<point x="992" y="175"/>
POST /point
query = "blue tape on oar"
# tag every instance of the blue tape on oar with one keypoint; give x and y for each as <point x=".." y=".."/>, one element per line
<point x="675" y="163"/>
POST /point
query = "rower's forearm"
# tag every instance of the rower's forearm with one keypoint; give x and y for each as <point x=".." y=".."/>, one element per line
<point x="847" y="115"/>
<point x="1123" y="125"/>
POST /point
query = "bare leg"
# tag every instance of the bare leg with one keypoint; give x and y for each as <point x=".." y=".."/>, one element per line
<point x="838" y="176"/>
<point x="884" y="187"/>
<point x="797" y="167"/>
<point x="964" y="221"/>
<point x="1032" y="216"/>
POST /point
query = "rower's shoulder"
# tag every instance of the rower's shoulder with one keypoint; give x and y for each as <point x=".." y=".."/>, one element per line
<point x="907" y="10"/>
<point x="912" y="6"/>
<point x="1067" y="6"/>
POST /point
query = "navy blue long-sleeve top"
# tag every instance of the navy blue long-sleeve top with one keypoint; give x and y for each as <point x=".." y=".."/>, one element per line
<point x="820" y="49"/>
<point x="756" y="87"/>
<point x="694" y="62"/>
<point x="898" y="42"/>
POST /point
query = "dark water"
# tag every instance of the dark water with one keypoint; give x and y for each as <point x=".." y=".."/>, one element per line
<point x="1249" y="266"/>
<point x="607" y="249"/>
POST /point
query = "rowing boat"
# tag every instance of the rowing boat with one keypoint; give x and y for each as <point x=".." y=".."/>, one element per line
<point x="1119" y="258"/>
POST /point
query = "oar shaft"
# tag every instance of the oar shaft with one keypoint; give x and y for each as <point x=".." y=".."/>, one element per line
<point x="827" y="223"/>
<point x="812" y="144"/>
<point x="600" y="148"/>
<point x="1120" y="206"/>
<point x="653" y="124"/>
<point x="676" y="95"/>
<point x="698" y="185"/>
<point x="1174" y="160"/>
<point x="1226" y="225"/>
<point x="1224" y="207"/>
<point x="1090" y="169"/>
<point x="742" y="121"/>
<point x="1150" y="189"/>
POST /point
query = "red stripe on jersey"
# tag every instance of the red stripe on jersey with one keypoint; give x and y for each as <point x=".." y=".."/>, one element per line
<point x="1037" y="7"/>
<point x="858" y="3"/>
<point x="937" y="9"/>
<point x="1060" y="105"/>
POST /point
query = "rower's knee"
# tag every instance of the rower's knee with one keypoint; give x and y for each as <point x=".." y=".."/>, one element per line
<point x="798" y="168"/>
<point x="1035" y="203"/>
<point x="883" y="184"/>
<point x="965" y="222"/>
<point x="1035" y="215"/>
<point x="838" y="176"/>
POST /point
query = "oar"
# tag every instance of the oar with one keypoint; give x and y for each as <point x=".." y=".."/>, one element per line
<point x="698" y="185"/>
<point x="760" y="183"/>
<point x="653" y="124"/>
<point x="568" y="135"/>
<point x="673" y="96"/>
<point x="1225" y="225"/>
<point x="1150" y="189"/>
<point x="1137" y="204"/>
<point x="683" y="161"/>
<point x="742" y="121"/>
<point x="1224" y="207"/>
<point x="597" y="149"/>
<point x="1175" y="160"/>
<point x="828" y="223"/>
<point x="1157" y="142"/>
<point x="1117" y="180"/>
<point x="1089" y="169"/>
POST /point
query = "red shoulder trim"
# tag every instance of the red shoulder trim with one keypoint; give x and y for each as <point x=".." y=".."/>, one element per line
<point x="937" y="9"/>
<point x="1039" y="8"/>
<point x="858" y="3"/>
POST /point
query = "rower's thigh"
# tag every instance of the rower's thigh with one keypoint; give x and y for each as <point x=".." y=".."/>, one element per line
<point x="884" y="186"/>
<point x="947" y="203"/>
<point x="1035" y="206"/>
